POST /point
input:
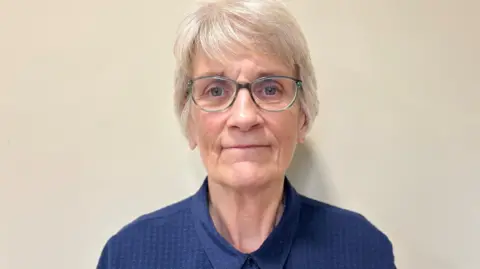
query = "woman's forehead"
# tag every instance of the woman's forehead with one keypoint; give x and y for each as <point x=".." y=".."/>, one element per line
<point x="252" y="62"/>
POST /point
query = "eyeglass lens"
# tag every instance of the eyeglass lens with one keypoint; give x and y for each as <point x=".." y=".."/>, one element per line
<point x="214" y="93"/>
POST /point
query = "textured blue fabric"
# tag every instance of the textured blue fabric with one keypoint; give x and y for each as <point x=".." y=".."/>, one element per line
<point x="310" y="235"/>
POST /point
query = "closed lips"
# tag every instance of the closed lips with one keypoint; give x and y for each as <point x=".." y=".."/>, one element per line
<point x="247" y="146"/>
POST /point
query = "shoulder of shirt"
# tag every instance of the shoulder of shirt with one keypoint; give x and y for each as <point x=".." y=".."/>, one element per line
<point x="332" y="210"/>
<point x="352" y="226"/>
<point x="159" y="216"/>
<point x="341" y="217"/>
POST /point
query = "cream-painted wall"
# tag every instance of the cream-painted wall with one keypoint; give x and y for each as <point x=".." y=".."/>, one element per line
<point x="88" y="139"/>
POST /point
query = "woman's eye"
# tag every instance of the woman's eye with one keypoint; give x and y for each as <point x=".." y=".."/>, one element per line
<point x="216" y="91"/>
<point x="270" y="90"/>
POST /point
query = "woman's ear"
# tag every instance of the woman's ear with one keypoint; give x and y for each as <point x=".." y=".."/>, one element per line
<point x="192" y="139"/>
<point x="191" y="142"/>
<point x="302" y="127"/>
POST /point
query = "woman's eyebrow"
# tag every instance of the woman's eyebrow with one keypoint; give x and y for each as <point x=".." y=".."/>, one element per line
<point x="210" y="73"/>
<point x="256" y="75"/>
<point x="269" y="73"/>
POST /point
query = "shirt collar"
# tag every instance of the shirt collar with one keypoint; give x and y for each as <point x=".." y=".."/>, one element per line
<point x="275" y="249"/>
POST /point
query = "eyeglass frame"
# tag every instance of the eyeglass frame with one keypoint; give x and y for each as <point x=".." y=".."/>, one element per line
<point x="248" y="86"/>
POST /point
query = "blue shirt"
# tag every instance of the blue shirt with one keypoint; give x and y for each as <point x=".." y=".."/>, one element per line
<point x="309" y="235"/>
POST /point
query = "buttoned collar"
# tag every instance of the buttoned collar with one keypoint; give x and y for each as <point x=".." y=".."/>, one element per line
<point x="273" y="252"/>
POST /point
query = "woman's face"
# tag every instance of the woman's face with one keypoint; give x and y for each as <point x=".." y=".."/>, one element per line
<point x="245" y="146"/>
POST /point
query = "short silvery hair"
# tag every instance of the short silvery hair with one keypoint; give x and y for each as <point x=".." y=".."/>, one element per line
<point x="223" y="29"/>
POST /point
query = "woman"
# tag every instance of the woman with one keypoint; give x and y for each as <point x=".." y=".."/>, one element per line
<point x="245" y="93"/>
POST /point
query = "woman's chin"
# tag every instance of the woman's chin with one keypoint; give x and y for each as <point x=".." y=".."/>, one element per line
<point x="247" y="174"/>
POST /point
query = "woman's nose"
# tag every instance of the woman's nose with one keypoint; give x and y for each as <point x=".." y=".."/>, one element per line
<point x="244" y="112"/>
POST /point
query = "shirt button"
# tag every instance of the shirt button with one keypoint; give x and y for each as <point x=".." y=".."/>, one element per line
<point x="250" y="262"/>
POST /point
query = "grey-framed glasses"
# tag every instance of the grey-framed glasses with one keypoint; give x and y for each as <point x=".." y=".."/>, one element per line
<point x="218" y="93"/>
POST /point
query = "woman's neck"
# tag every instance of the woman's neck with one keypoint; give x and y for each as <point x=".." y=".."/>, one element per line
<point x="245" y="218"/>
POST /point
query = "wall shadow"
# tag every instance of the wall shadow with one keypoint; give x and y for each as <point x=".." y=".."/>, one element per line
<point x="309" y="174"/>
